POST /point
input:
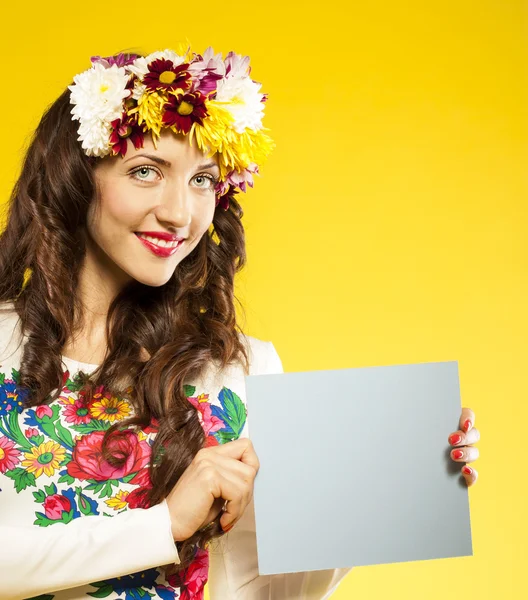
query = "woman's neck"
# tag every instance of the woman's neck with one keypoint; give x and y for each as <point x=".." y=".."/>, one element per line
<point x="99" y="283"/>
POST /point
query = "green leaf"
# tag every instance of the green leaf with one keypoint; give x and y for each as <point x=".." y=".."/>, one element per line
<point x="42" y="597"/>
<point x="235" y="410"/>
<point x="97" y="486"/>
<point x="189" y="390"/>
<point x="67" y="516"/>
<point x="93" y="425"/>
<point x="225" y="436"/>
<point x="83" y="503"/>
<point x="2" y="378"/>
<point x="42" y="520"/>
<point x="39" y="496"/>
<point x="50" y="489"/>
<point x="102" y="592"/>
<point x="128" y="478"/>
<point x="15" y="376"/>
<point x="64" y="434"/>
<point x="36" y="440"/>
<point x="22" y="478"/>
<point x="66" y="479"/>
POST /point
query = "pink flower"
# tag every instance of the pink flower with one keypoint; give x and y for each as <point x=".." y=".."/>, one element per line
<point x="209" y="422"/>
<point x="43" y="410"/>
<point x="88" y="462"/>
<point x="77" y="413"/>
<point x="9" y="455"/>
<point x="55" y="505"/>
<point x="31" y="431"/>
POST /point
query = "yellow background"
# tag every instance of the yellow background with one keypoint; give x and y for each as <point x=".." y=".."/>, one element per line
<point x="388" y="227"/>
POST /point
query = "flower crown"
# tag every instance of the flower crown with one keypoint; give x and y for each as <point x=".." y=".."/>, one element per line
<point x="205" y="97"/>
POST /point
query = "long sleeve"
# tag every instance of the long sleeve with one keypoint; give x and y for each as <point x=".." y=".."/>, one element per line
<point x="36" y="560"/>
<point x="233" y="559"/>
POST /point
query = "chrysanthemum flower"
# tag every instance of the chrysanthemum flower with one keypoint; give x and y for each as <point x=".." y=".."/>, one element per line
<point x="122" y="129"/>
<point x="164" y="75"/>
<point x="182" y="110"/>
<point x="150" y="111"/>
<point x="44" y="458"/>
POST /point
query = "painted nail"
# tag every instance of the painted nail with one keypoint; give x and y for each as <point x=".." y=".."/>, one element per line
<point x="228" y="527"/>
<point x="455" y="439"/>
<point x="467" y="425"/>
<point x="458" y="454"/>
<point x="467" y="470"/>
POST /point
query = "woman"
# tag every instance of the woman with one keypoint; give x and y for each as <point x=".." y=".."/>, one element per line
<point x="122" y="362"/>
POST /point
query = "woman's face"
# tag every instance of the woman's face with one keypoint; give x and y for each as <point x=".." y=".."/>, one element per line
<point x="151" y="211"/>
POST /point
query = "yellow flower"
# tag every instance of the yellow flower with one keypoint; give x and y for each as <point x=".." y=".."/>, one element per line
<point x="109" y="409"/>
<point x="150" y="110"/>
<point x="118" y="501"/>
<point x="235" y="150"/>
<point x="44" y="458"/>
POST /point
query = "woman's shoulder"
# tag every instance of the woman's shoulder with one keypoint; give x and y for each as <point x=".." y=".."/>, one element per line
<point x="263" y="357"/>
<point x="11" y="337"/>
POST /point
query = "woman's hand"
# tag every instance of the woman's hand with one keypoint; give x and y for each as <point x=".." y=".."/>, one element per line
<point x="461" y="440"/>
<point x="217" y="475"/>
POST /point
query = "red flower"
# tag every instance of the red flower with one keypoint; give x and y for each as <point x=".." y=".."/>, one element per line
<point x="208" y="421"/>
<point x="210" y="440"/>
<point x="88" y="462"/>
<point x="30" y="432"/>
<point x="138" y="498"/>
<point x="55" y="505"/>
<point x="124" y="128"/>
<point x="182" y="110"/>
<point x="9" y="455"/>
<point x="163" y="75"/>
<point x="77" y="413"/>
<point x="193" y="579"/>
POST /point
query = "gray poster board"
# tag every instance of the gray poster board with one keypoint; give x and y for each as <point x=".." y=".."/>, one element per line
<point x="355" y="467"/>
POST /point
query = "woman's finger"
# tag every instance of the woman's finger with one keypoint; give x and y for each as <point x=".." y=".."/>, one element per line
<point x="238" y="494"/>
<point x="467" y="419"/>
<point x="470" y="474"/>
<point x="241" y="449"/>
<point x="465" y="454"/>
<point x="459" y="438"/>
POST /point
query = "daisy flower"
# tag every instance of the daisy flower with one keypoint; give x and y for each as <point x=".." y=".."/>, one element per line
<point x="109" y="408"/>
<point x="44" y="458"/>
<point x="8" y="454"/>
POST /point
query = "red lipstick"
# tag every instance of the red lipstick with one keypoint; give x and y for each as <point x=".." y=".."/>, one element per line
<point x="161" y="251"/>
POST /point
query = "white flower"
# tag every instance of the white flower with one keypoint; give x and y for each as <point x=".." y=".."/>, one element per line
<point x="99" y="92"/>
<point x="245" y="101"/>
<point x="97" y="96"/>
<point x="140" y="67"/>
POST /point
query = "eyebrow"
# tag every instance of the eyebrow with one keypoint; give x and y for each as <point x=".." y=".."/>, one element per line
<point x="166" y="163"/>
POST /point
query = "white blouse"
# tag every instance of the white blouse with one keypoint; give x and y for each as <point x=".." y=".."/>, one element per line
<point x="56" y="539"/>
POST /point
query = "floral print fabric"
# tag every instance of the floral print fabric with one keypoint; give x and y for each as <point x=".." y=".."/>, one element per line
<point x="51" y="456"/>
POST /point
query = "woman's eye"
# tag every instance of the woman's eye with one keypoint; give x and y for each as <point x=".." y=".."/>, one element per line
<point x="141" y="173"/>
<point x="206" y="181"/>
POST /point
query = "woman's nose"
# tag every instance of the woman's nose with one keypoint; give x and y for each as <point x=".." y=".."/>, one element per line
<point x="175" y="206"/>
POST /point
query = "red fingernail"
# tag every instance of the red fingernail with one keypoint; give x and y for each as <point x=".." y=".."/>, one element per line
<point x="467" y="425"/>
<point x="458" y="454"/>
<point x="455" y="439"/>
<point x="467" y="470"/>
<point x="228" y="527"/>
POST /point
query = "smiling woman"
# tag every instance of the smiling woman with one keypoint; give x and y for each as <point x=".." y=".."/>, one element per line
<point x="122" y="389"/>
<point x="152" y="209"/>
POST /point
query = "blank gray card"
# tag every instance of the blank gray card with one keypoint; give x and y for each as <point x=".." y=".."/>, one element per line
<point x="355" y="467"/>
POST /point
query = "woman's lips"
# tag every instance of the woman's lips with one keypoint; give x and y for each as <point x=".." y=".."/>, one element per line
<point x="163" y="252"/>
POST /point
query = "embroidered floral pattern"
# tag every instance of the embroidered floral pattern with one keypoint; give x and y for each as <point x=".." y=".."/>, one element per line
<point x="56" y="450"/>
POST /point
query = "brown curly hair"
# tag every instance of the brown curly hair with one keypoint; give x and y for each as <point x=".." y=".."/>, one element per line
<point x="183" y="326"/>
